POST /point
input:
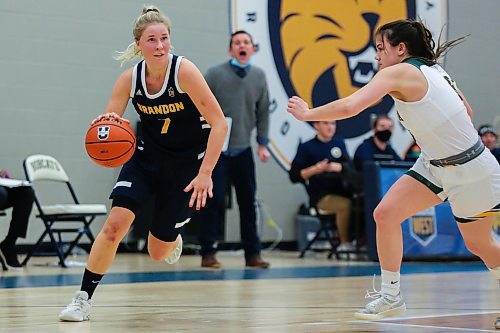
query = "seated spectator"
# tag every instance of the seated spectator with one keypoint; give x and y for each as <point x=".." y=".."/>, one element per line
<point x="377" y="147"/>
<point x="322" y="164"/>
<point x="489" y="138"/>
<point x="21" y="200"/>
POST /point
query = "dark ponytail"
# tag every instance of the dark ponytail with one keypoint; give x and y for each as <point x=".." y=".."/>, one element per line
<point x="417" y="38"/>
<point x="446" y="46"/>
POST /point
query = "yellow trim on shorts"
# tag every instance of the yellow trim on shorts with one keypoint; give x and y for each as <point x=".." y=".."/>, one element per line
<point x="476" y="217"/>
<point x="486" y="214"/>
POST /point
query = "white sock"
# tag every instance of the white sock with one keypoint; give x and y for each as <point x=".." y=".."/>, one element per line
<point x="496" y="272"/>
<point x="390" y="283"/>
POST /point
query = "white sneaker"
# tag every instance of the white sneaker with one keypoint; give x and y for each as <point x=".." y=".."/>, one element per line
<point x="497" y="323"/>
<point x="383" y="306"/>
<point x="346" y="251"/>
<point x="176" y="253"/>
<point x="78" y="309"/>
<point x="346" y="247"/>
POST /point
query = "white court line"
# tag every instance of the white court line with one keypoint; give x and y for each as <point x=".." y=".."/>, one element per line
<point x="438" y="327"/>
<point x="439" y="315"/>
<point x="386" y="321"/>
<point x="320" y="323"/>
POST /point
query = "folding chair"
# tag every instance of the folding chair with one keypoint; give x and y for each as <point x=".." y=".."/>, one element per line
<point x="46" y="169"/>
<point x="325" y="232"/>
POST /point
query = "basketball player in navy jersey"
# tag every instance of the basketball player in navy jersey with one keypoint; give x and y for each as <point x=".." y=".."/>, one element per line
<point x="183" y="134"/>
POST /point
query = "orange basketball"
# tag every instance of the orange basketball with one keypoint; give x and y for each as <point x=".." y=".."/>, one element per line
<point x="110" y="142"/>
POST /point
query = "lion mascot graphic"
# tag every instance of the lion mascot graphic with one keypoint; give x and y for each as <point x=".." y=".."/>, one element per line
<point x="333" y="39"/>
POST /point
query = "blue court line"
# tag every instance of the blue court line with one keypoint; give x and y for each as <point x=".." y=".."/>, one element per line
<point x="236" y="274"/>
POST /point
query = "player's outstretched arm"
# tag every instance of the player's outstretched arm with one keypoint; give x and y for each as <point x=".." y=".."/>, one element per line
<point x="382" y="84"/>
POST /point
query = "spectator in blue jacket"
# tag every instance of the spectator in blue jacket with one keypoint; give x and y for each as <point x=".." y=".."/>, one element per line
<point x="377" y="147"/>
<point x="322" y="164"/>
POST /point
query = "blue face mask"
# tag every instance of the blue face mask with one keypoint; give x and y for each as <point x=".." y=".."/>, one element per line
<point x="235" y="62"/>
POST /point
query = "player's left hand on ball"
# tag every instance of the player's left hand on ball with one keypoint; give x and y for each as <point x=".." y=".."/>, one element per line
<point x="297" y="107"/>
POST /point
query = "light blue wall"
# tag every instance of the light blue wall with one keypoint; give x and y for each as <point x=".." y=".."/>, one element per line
<point x="57" y="73"/>
<point x="474" y="63"/>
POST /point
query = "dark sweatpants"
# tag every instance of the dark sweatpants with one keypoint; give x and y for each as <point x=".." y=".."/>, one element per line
<point x="21" y="200"/>
<point x="240" y="171"/>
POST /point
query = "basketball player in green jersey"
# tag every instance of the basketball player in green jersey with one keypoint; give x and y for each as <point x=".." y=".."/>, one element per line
<point x="453" y="165"/>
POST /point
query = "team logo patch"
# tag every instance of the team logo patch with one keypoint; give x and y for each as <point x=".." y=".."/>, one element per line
<point x="103" y="132"/>
<point x="423" y="228"/>
<point x="171" y="92"/>
<point x="323" y="50"/>
<point x="336" y="152"/>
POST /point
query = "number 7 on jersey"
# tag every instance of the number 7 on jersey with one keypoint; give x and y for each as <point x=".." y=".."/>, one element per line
<point x="165" y="126"/>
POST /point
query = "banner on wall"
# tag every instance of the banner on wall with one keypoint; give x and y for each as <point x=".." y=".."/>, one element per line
<point x="323" y="50"/>
<point x="431" y="233"/>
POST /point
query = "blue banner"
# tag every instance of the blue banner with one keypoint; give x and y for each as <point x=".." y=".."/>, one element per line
<point x="432" y="233"/>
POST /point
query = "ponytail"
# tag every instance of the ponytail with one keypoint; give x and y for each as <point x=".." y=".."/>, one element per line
<point x="417" y="38"/>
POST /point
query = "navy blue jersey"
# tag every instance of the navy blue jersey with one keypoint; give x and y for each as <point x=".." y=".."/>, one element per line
<point x="369" y="151"/>
<point x="314" y="151"/>
<point x="496" y="153"/>
<point x="170" y="121"/>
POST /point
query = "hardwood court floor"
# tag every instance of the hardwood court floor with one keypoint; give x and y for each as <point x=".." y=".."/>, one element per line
<point x="295" y="295"/>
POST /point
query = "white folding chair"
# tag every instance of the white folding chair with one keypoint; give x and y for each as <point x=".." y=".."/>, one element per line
<point x="46" y="169"/>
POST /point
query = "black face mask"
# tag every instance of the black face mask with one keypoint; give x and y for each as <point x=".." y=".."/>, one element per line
<point x="384" y="135"/>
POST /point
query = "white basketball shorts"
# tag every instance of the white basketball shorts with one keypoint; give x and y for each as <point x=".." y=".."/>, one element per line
<point x="472" y="188"/>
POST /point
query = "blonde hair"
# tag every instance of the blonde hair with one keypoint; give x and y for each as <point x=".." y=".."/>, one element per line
<point x="149" y="15"/>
